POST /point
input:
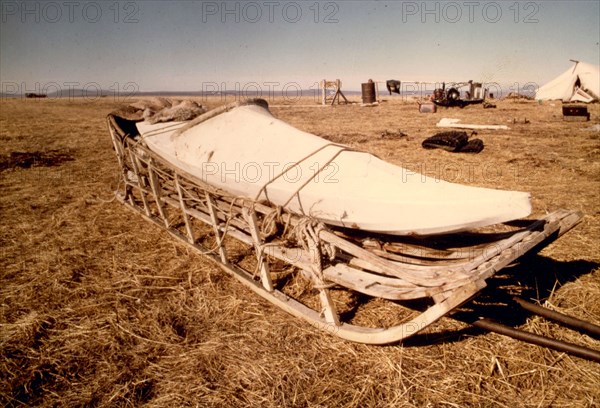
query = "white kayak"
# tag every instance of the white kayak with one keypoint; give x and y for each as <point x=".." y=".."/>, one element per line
<point x="248" y="152"/>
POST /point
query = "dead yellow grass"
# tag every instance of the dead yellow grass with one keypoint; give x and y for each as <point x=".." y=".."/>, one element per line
<point x="100" y="308"/>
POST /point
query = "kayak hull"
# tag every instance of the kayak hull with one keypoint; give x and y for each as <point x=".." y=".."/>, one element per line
<point x="249" y="153"/>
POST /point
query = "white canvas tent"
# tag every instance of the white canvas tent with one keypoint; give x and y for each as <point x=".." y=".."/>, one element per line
<point x="581" y="83"/>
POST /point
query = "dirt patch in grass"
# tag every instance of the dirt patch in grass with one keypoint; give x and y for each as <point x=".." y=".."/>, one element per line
<point x="27" y="160"/>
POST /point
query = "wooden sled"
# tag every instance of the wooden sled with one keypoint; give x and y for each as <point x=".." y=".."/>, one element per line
<point x="285" y="248"/>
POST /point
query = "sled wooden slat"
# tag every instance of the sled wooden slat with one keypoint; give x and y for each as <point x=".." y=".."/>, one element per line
<point x="215" y="224"/>
<point x="423" y="279"/>
<point x="375" y="285"/>
<point x="295" y="256"/>
<point x="204" y="218"/>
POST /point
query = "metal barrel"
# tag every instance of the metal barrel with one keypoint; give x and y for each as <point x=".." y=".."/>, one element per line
<point x="368" y="92"/>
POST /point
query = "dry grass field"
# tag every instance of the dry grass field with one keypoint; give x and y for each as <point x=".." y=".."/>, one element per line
<point x="101" y="308"/>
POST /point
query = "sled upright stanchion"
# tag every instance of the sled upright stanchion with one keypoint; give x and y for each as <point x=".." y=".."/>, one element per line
<point x="263" y="264"/>
<point x="154" y="184"/>
<point x="215" y="224"/>
<point x="140" y="182"/>
<point x="184" y="213"/>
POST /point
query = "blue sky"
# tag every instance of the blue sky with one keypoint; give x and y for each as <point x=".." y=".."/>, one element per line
<point x="195" y="45"/>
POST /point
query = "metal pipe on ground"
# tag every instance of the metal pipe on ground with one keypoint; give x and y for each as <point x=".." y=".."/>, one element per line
<point x="538" y="340"/>
<point x="569" y="321"/>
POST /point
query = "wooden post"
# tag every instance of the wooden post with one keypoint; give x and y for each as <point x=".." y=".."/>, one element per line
<point x="335" y="94"/>
<point x="336" y="88"/>
<point x="338" y="92"/>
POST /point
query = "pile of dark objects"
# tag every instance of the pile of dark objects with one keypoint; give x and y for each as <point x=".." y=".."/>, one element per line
<point x="454" y="141"/>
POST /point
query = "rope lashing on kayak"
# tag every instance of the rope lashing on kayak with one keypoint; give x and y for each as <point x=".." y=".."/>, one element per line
<point x="307" y="235"/>
<point x="273" y="221"/>
<point x="164" y="129"/>
<point x="296" y="193"/>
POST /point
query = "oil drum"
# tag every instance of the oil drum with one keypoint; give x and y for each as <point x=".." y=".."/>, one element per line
<point x="368" y="92"/>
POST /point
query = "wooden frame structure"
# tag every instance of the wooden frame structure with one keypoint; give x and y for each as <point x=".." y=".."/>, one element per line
<point x="331" y="92"/>
<point x="386" y="268"/>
